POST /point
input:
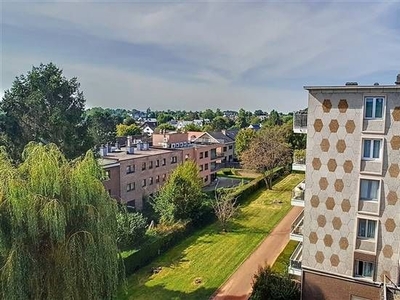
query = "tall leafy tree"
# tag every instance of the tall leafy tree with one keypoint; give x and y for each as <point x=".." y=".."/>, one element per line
<point x="125" y="130"/>
<point x="44" y="106"/>
<point x="181" y="197"/>
<point x="57" y="228"/>
<point x="101" y="125"/>
<point x="267" y="151"/>
<point x="243" y="139"/>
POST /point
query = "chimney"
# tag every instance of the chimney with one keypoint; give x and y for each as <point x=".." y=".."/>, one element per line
<point x="109" y="149"/>
<point x="129" y="145"/>
<point x="103" y="151"/>
<point x="398" y="79"/>
<point x="117" y="145"/>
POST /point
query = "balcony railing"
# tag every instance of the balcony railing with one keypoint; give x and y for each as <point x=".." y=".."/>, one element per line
<point x="295" y="260"/>
<point x="300" y="122"/>
<point x="298" y="194"/>
<point x="217" y="156"/>
<point x="299" y="163"/>
<point x="296" y="232"/>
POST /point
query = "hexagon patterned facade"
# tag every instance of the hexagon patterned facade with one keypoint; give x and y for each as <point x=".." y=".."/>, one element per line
<point x="332" y="205"/>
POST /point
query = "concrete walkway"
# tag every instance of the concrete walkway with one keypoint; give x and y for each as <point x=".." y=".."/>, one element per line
<point x="238" y="286"/>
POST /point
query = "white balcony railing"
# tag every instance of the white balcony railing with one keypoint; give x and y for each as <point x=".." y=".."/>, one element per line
<point x="298" y="194"/>
<point x="296" y="232"/>
<point x="300" y="122"/>
<point x="295" y="261"/>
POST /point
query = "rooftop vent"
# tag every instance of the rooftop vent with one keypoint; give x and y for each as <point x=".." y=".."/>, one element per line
<point x="398" y="79"/>
<point x="351" y="83"/>
<point x="376" y="83"/>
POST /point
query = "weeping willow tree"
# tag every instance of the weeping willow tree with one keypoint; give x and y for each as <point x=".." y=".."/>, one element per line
<point x="57" y="228"/>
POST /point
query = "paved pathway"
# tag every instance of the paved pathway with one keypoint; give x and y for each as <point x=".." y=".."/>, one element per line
<point x="238" y="286"/>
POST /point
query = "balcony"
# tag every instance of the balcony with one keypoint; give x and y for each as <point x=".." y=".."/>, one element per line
<point x="296" y="232"/>
<point x="298" y="194"/>
<point x="215" y="156"/>
<point x="295" y="261"/>
<point x="299" y="161"/>
<point x="300" y="122"/>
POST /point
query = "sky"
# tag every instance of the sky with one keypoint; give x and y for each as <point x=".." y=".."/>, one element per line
<point x="194" y="55"/>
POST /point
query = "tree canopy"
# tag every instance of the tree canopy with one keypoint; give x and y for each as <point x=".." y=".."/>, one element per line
<point x="44" y="106"/>
<point x="57" y="228"/>
<point x="243" y="139"/>
<point x="125" y="130"/>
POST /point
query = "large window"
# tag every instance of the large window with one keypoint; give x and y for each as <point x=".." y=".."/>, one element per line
<point x="372" y="149"/>
<point x="130" y="187"/>
<point x="143" y="166"/>
<point x="369" y="189"/>
<point x="374" y="107"/>
<point x="174" y="159"/>
<point x="364" y="269"/>
<point x="130" y="169"/>
<point x="151" y="164"/>
<point x="157" y="163"/>
<point x="366" y="228"/>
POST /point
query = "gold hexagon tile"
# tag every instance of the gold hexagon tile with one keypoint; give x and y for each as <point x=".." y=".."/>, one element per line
<point x="341" y="146"/>
<point x="387" y="251"/>
<point x="334" y="260"/>
<point x="395" y="142"/>
<point x="323" y="183"/>
<point x="334" y="125"/>
<point x="328" y="241"/>
<point x="316" y="163"/>
<point x="319" y="257"/>
<point x="392" y="198"/>
<point x="330" y="203"/>
<point x="343" y="243"/>
<point x="343" y="106"/>
<point x="348" y="166"/>
<point x="314" y="201"/>
<point x="394" y="170"/>
<point x="313" y="237"/>
<point x="318" y="125"/>
<point x="339" y="185"/>
<point x="325" y="145"/>
<point x="350" y="126"/>
<point x="337" y="223"/>
<point x="326" y="105"/>
<point x="390" y="225"/>
<point x="345" y="205"/>
<point x="396" y="113"/>
<point x="332" y="165"/>
<point x="321" y="220"/>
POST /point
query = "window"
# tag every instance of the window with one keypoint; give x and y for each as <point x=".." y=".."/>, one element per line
<point x="206" y="167"/>
<point x="187" y="156"/>
<point x="109" y="192"/>
<point x="164" y="161"/>
<point x="201" y="168"/>
<point x="130" y="169"/>
<point x="374" y="107"/>
<point x="224" y="149"/>
<point x="366" y="228"/>
<point x="130" y="187"/>
<point x="164" y="177"/>
<point x="150" y="164"/>
<point x="131" y="204"/>
<point x="206" y="178"/>
<point x="201" y="155"/>
<point x="157" y="178"/>
<point x="369" y="189"/>
<point x="230" y="147"/>
<point x="177" y="145"/>
<point x="157" y="163"/>
<point x="174" y="159"/>
<point x="143" y="166"/>
<point x="150" y="180"/>
<point x="364" y="269"/>
<point x="143" y="182"/>
<point x="107" y="175"/>
<point x="371" y="149"/>
<point x="206" y="154"/>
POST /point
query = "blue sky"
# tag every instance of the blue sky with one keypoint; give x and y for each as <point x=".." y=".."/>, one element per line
<point x="195" y="55"/>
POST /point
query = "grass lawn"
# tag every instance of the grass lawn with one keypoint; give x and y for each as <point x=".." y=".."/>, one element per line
<point x="209" y="255"/>
<point x="282" y="262"/>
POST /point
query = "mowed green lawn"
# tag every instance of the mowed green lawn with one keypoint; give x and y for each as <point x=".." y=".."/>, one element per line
<point x="197" y="266"/>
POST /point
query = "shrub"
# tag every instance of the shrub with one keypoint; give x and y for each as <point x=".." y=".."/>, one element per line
<point x="131" y="228"/>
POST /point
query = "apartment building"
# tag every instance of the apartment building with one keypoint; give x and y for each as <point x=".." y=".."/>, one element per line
<point x="350" y="227"/>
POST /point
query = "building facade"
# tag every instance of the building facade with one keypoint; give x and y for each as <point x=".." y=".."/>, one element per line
<point x="350" y="226"/>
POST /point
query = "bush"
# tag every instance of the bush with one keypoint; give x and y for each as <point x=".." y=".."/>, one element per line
<point x="131" y="229"/>
<point x="269" y="285"/>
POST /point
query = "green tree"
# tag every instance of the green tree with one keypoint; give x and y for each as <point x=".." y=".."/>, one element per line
<point x="208" y="114"/>
<point x="125" y="130"/>
<point x="165" y="126"/>
<point x="274" y="118"/>
<point x="242" y="119"/>
<point x="164" y="118"/>
<point x="267" y="151"/>
<point x="131" y="229"/>
<point x="220" y="123"/>
<point x="181" y="197"/>
<point x="44" y="106"/>
<point x="57" y="228"/>
<point x="224" y="206"/>
<point x="101" y="125"/>
<point x="269" y="285"/>
<point x="243" y="139"/>
<point x="192" y="127"/>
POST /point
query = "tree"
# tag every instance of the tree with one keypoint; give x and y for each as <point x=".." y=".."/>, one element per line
<point x="220" y="123"/>
<point x="44" y="106"/>
<point x="181" y="197"/>
<point x="101" y="125"/>
<point x="273" y="119"/>
<point x="242" y="119"/>
<point x="125" y="130"/>
<point x="192" y="127"/>
<point x="269" y="285"/>
<point x="208" y="114"/>
<point x="243" y="139"/>
<point x="267" y="151"/>
<point x="131" y="228"/>
<point x="165" y="126"/>
<point x="164" y="118"/>
<point x="224" y="206"/>
<point x="57" y="228"/>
